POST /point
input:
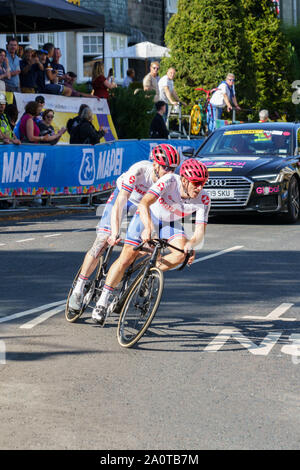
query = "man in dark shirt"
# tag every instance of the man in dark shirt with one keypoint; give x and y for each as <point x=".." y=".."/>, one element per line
<point x="158" y="128"/>
<point x="29" y="66"/>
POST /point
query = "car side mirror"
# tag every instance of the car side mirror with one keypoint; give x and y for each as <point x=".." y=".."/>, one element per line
<point x="189" y="152"/>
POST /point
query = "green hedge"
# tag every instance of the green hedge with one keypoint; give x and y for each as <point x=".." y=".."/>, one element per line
<point x="132" y="112"/>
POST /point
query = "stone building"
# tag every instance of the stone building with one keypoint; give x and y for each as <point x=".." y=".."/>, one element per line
<point x="290" y="11"/>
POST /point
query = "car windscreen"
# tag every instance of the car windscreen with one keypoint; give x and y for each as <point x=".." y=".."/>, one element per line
<point x="249" y="142"/>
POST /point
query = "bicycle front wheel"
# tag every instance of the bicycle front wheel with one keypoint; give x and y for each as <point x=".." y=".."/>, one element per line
<point x="140" y="307"/>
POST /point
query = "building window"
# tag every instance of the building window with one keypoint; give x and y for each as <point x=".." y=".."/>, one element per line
<point x="113" y="43"/>
<point x="23" y="39"/>
<point x="44" y="38"/>
<point x="36" y="41"/>
<point x="89" y="49"/>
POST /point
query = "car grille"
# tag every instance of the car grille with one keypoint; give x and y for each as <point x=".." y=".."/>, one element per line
<point x="242" y="188"/>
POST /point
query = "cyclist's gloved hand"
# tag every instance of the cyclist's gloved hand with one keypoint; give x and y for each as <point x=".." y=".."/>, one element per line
<point x="188" y="248"/>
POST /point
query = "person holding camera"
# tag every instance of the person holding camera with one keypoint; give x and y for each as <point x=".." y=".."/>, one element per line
<point x="29" y="65"/>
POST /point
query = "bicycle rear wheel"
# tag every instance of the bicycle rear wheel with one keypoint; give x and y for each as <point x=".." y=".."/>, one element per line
<point x="140" y="307"/>
<point x="89" y="293"/>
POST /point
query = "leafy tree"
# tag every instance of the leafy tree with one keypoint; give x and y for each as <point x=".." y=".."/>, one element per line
<point x="207" y="40"/>
<point x="273" y="57"/>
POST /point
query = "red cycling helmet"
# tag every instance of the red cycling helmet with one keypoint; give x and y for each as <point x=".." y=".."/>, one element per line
<point x="194" y="171"/>
<point x="166" y="155"/>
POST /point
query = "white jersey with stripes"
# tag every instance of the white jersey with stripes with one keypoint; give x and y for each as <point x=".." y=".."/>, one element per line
<point x="170" y="206"/>
<point x="137" y="180"/>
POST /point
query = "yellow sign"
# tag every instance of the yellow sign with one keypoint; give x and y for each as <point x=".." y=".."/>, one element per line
<point x="76" y="2"/>
<point x="219" y="169"/>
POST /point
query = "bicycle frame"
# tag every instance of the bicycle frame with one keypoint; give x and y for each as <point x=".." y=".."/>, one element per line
<point x="143" y="266"/>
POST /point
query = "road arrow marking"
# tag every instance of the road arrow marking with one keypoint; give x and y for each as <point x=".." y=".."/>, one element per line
<point x="232" y="334"/>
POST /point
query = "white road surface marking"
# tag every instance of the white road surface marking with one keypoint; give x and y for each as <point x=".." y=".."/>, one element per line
<point x="52" y="235"/>
<point x="43" y="317"/>
<point x="213" y="255"/>
<point x="25" y="240"/>
<point x="219" y="253"/>
<point x="31" y="311"/>
<point x="275" y="314"/>
<point x="225" y="335"/>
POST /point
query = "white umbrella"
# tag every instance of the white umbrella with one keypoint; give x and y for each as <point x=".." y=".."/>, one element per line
<point x="142" y="50"/>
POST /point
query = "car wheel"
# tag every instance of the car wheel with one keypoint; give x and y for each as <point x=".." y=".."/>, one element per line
<point x="293" y="201"/>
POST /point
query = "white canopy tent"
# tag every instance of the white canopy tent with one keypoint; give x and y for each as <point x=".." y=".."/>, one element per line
<point x="142" y="50"/>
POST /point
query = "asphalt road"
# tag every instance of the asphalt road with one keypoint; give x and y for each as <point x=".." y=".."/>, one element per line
<point x="219" y="368"/>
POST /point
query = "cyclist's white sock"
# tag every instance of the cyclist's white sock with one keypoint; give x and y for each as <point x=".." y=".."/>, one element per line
<point x="104" y="297"/>
<point x="81" y="282"/>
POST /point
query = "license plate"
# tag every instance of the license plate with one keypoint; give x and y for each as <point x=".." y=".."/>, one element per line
<point x="221" y="193"/>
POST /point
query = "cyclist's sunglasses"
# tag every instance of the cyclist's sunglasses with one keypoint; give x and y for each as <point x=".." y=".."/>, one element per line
<point x="197" y="184"/>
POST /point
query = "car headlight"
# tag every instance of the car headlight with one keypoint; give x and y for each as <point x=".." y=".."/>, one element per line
<point x="270" y="178"/>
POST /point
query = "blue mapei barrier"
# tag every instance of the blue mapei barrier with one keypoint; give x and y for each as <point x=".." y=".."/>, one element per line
<point x="72" y="169"/>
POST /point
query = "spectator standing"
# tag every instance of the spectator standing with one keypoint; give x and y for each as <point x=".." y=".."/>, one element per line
<point x="158" y="128"/>
<point x="85" y="132"/>
<point x="13" y="83"/>
<point x="264" y="116"/>
<point x="20" y="52"/>
<point x="150" y="81"/>
<point x="129" y="78"/>
<point x="57" y="66"/>
<point x="223" y="97"/>
<point x="29" y="66"/>
<point x="110" y="76"/>
<point x="101" y="85"/>
<point x="7" y="135"/>
<point x="4" y="69"/>
<point x="46" y="127"/>
<point x="73" y="122"/>
<point x="167" y="91"/>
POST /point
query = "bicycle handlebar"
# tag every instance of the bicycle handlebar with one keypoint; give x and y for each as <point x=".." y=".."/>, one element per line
<point x="164" y="243"/>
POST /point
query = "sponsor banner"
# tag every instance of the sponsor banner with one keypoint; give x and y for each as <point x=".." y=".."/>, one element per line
<point x="67" y="107"/>
<point x="73" y="169"/>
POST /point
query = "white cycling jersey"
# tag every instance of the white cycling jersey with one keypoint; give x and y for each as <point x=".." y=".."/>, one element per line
<point x="137" y="180"/>
<point x="170" y="206"/>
